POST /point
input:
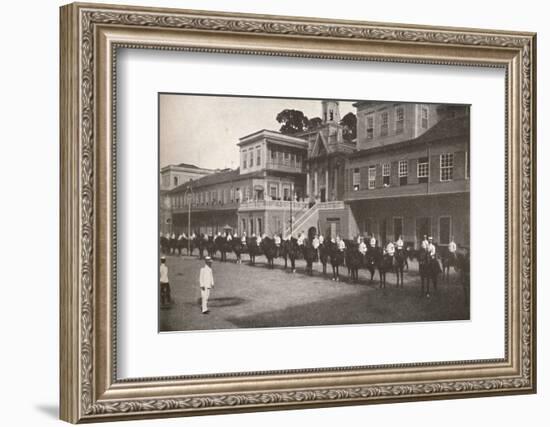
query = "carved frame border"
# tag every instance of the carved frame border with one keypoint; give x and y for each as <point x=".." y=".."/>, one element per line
<point x="87" y="397"/>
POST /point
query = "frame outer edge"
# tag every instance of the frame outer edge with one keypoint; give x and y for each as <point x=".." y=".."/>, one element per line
<point x="77" y="345"/>
<point x="69" y="355"/>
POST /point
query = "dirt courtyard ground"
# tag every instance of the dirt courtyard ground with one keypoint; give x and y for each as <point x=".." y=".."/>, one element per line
<point x="247" y="296"/>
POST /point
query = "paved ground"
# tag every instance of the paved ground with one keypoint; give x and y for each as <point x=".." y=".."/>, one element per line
<point x="254" y="297"/>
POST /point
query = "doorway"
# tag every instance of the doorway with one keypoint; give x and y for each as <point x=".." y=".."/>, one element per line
<point x="323" y="194"/>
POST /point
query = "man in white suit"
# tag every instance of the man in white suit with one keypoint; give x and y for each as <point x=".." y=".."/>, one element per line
<point x="206" y="281"/>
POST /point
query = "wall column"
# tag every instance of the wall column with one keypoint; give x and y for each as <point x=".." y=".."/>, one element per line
<point x="327" y="190"/>
<point x="308" y="190"/>
<point x="336" y="171"/>
<point x="316" y="187"/>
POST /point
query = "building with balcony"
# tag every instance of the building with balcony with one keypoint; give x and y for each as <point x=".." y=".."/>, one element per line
<point x="263" y="195"/>
<point x="406" y="173"/>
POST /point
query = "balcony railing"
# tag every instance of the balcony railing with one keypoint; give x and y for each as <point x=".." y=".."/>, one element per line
<point x="286" y="166"/>
<point x="272" y="204"/>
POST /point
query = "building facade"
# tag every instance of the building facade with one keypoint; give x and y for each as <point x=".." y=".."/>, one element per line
<point x="415" y="187"/>
<point x="263" y="195"/>
<point x="406" y="173"/>
<point x="172" y="176"/>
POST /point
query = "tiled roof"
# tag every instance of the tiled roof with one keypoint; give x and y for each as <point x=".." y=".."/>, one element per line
<point x="440" y="132"/>
<point x="215" y="178"/>
<point x="187" y="165"/>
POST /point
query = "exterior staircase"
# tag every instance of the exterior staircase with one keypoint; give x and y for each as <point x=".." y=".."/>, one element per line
<point x="310" y="218"/>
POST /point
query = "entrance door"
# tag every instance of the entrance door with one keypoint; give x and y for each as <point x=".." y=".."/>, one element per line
<point x="323" y="194"/>
<point x="333" y="229"/>
<point x="383" y="228"/>
<point x="444" y="230"/>
<point x="423" y="228"/>
<point x="397" y="228"/>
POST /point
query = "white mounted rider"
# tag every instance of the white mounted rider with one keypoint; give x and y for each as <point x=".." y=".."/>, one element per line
<point x="425" y="243"/>
<point x="431" y="248"/>
<point x="362" y="246"/>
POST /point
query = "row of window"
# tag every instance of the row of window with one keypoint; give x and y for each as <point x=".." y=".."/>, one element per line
<point x="277" y="157"/>
<point x="285" y="158"/>
<point x="255" y="226"/>
<point x="380" y="228"/>
<point x="213" y="197"/>
<point x="248" y="157"/>
<point x="446" y="170"/>
<point x="384" y="119"/>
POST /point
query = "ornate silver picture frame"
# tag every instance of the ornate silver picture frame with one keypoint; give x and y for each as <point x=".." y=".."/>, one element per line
<point x="91" y="37"/>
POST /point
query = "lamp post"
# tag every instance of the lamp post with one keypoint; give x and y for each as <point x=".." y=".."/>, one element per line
<point x="291" y="198"/>
<point x="189" y="190"/>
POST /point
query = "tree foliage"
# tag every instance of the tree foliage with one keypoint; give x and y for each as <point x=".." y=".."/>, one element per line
<point x="349" y="122"/>
<point x="293" y="121"/>
<point x="314" y="123"/>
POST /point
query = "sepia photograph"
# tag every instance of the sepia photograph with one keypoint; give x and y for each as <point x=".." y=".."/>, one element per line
<point x="289" y="212"/>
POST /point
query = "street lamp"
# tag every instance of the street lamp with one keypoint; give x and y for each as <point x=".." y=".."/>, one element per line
<point x="291" y="197"/>
<point x="189" y="190"/>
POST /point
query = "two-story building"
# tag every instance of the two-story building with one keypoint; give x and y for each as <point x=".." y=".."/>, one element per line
<point x="170" y="177"/>
<point x="410" y="175"/>
<point x="261" y="196"/>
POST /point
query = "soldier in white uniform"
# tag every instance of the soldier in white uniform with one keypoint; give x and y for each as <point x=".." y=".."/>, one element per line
<point x="340" y="244"/>
<point x="431" y="247"/>
<point x="165" y="297"/>
<point x="372" y="242"/>
<point x="362" y="246"/>
<point x="425" y="243"/>
<point x="243" y="238"/>
<point x="452" y="245"/>
<point x="277" y="240"/>
<point x="316" y="242"/>
<point x="452" y="248"/>
<point x="390" y="249"/>
<point x="206" y="282"/>
<point x="399" y="243"/>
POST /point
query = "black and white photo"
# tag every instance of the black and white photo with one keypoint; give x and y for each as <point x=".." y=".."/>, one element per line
<point x="312" y="211"/>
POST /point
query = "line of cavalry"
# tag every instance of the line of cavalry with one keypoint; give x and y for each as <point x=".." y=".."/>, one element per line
<point x="355" y="255"/>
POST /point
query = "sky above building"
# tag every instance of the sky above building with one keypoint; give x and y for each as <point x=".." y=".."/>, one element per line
<point x="204" y="130"/>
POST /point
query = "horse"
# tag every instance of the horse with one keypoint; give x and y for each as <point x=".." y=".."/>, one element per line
<point x="180" y="244"/>
<point x="429" y="270"/>
<point x="353" y="259"/>
<point x="164" y="244"/>
<point x="385" y="263"/>
<point x="220" y="244"/>
<point x="270" y="250"/>
<point x="400" y="260"/>
<point x="238" y="248"/>
<point x="310" y="254"/>
<point x="173" y="244"/>
<point x="337" y="258"/>
<point x="290" y="251"/>
<point x="449" y="260"/>
<point x="374" y="253"/>
<point x="324" y="254"/>
<point x="253" y="249"/>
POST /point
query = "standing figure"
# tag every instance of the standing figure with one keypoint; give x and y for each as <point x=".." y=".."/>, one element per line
<point x="425" y="243"/>
<point x="165" y="297"/>
<point x="206" y="281"/>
